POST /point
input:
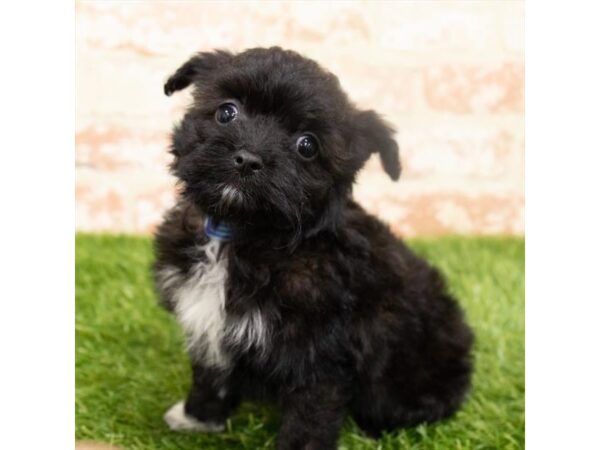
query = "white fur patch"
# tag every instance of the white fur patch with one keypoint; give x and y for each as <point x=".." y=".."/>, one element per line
<point x="248" y="331"/>
<point x="199" y="304"/>
<point x="178" y="420"/>
<point x="231" y="195"/>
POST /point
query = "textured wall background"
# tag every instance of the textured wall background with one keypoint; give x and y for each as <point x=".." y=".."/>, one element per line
<point x="448" y="75"/>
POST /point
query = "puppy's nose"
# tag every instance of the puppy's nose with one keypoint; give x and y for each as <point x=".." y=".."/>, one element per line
<point x="247" y="163"/>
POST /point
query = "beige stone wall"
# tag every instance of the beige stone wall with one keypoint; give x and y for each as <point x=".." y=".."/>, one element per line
<point x="449" y="76"/>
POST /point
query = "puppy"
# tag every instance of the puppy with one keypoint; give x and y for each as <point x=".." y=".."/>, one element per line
<point x="287" y="290"/>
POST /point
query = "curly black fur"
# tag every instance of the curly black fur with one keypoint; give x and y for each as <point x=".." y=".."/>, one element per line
<point x="352" y="321"/>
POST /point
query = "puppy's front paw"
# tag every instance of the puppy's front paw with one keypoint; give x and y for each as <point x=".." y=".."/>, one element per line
<point x="178" y="420"/>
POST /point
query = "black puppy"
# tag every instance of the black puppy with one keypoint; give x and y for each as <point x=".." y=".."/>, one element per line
<point x="286" y="288"/>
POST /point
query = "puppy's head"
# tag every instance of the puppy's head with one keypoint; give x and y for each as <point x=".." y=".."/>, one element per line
<point x="272" y="138"/>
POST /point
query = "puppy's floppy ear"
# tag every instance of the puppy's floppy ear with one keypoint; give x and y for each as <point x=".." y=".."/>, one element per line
<point x="373" y="134"/>
<point x="198" y="66"/>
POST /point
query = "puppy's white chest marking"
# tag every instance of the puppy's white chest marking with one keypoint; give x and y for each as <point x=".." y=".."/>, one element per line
<point x="199" y="299"/>
<point x="200" y="305"/>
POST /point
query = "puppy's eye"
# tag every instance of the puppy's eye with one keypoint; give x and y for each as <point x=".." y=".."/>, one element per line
<point x="307" y="145"/>
<point x="226" y="113"/>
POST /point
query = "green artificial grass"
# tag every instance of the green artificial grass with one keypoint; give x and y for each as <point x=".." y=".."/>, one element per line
<point x="131" y="365"/>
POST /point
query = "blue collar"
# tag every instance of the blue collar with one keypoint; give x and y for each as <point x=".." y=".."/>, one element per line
<point x="222" y="231"/>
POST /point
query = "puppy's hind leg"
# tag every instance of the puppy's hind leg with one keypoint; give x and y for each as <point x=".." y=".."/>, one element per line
<point x="374" y="420"/>
<point x="210" y="402"/>
<point x="390" y="403"/>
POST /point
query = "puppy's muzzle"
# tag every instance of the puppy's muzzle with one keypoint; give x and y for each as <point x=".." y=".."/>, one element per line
<point x="247" y="163"/>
